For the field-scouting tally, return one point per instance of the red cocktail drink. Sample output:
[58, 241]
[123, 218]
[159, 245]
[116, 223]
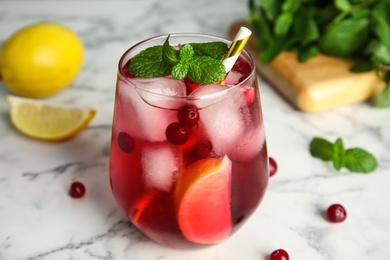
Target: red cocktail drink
[188, 162]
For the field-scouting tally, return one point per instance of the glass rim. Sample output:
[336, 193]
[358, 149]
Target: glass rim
[244, 52]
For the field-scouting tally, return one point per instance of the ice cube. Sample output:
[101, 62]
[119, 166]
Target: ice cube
[224, 120]
[161, 92]
[207, 95]
[249, 145]
[233, 77]
[139, 118]
[161, 164]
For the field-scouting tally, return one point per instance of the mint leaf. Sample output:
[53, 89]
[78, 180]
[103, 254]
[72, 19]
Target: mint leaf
[359, 160]
[321, 148]
[283, 23]
[305, 27]
[215, 50]
[170, 55]
[345, 38]
[354, 159]
[338, 157]
[291, 6]
[309, 52]
[149, 63]
[206, 70]
[180, 70]
[382, 54]
[343, 5]
[383, 99]
[380, 24]
[186, 52]
[270, 8]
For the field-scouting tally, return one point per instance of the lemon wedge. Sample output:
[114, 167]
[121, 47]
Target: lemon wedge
[203, 196]
[42, 120]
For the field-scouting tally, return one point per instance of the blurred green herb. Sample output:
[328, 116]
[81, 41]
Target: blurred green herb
[354, 159]
[357, 29]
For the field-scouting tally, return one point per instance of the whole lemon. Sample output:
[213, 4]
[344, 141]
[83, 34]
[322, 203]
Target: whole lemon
[41, 59]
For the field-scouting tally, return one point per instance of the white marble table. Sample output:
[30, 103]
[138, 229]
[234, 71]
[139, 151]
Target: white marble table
[38, 220]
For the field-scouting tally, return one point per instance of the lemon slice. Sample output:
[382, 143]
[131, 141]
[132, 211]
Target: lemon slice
[42, 120]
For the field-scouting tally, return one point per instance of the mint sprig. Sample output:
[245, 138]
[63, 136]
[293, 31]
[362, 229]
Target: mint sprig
[354, 159]
[201, 62]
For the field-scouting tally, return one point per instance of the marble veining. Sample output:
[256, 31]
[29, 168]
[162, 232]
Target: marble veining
[39, 221]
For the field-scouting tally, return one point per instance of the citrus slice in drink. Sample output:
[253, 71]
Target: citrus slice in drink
[140, 205]
[203, 200]
[45, 121]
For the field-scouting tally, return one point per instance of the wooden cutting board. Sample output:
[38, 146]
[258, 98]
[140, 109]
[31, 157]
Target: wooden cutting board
[321, 83]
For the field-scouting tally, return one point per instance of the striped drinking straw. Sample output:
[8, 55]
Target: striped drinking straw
[236, 47]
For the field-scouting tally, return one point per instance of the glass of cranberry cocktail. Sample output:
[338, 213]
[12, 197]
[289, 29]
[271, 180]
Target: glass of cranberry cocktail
[188, 159]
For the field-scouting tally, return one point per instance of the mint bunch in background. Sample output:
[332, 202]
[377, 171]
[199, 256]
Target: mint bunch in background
[351, 29]
[354, 159]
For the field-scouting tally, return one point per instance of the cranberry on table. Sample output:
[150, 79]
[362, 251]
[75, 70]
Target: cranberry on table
[177, 133]
[336, 213]
[279, 254]
[77, 190]
[273, 167]
[188, 115]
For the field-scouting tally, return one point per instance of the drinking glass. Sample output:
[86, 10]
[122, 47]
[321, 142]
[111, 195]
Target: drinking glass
[188, 162]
